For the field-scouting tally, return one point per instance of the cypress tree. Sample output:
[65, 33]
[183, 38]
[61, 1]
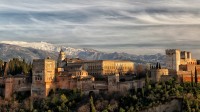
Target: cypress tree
[188, 106]
[196, 77]
[147, 80]
[157, 65]
[92, 107]
[143, 92]
[192, 81]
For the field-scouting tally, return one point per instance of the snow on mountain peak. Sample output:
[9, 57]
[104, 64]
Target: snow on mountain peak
[36, 45]
[84, 53]
[46, 47]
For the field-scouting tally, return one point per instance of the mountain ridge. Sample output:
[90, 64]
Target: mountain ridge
[34, 50]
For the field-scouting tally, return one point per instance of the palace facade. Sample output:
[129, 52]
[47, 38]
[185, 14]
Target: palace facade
[71, 74]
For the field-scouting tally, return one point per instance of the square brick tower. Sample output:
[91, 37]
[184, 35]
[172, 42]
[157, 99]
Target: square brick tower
[43, 77]
[173, 59]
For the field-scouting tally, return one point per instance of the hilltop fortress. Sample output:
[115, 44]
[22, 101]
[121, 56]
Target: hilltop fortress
[95, 75]
[75, 73]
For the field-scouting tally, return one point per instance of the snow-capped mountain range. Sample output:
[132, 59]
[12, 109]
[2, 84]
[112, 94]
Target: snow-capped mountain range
[32, 50]
[46, 47]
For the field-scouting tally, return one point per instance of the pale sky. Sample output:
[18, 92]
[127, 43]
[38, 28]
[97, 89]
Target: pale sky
[132, 26]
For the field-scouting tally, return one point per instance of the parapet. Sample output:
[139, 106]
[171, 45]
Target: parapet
[43, 60]
[186, 55]
[171, 51]
[189, 55]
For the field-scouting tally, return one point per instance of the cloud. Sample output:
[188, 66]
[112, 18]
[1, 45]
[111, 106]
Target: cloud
[133, 26]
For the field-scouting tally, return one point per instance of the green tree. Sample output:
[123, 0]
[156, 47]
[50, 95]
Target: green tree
[63, 98]
[105, 110]
[131, 109]
[196, 106]
[54, 100]
[92, 107]
[121, 110]
[142, 92]
[188, 106]
[196, 77]
[17, 66]
[147, 80]
[192, 80]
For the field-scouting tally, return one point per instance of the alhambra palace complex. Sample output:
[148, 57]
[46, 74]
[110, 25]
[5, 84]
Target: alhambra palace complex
[83, 74]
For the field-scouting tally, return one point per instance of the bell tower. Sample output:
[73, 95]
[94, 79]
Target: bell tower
[61, 57]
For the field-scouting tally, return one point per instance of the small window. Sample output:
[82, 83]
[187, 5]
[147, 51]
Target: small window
[19, 82]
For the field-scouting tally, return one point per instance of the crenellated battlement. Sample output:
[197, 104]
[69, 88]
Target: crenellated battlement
[186, 55]
[171, 51]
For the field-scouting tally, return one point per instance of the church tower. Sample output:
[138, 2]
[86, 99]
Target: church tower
[61, 57]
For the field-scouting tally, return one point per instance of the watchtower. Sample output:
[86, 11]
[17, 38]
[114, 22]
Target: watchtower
[43, 77]
[61, 58]
[173, 59]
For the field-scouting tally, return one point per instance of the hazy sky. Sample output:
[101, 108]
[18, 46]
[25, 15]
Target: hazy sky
[133, 26]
